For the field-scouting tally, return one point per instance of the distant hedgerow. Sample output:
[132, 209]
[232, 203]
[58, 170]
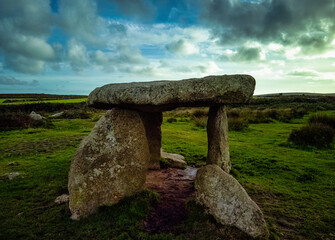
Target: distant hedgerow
[19, 120]
[314, 134]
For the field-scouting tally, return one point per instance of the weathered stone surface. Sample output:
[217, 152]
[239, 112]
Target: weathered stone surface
[111, 163]
[56, 115]
[228, 202]
[64, 198]
[10, 176]
[165, 95]
[217, 134]
[152, 124]
[175, 160]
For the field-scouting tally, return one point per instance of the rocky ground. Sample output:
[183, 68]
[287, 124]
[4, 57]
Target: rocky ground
[175, 187]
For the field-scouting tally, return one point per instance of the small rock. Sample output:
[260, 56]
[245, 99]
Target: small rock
[35, 116]
[62, 199]
[13, 175]
[227, 201]
[175, 160]
[57, 114]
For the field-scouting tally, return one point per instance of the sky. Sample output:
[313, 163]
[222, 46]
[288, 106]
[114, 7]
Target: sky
[74, 46]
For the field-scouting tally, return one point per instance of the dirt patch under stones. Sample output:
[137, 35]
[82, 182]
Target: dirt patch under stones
[175, 187]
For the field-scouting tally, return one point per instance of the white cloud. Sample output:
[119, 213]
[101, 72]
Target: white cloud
[25, 65]
[244, 53]
[130, 55]
[304, 72]
[23, 36]
[275, 47]
[182, 47]
[187, 68]
[291, 53]
[312, 75]
[280, 63]
[80, 19]
[163, 34]
[11, 81]
[77, 55]
[31, 47]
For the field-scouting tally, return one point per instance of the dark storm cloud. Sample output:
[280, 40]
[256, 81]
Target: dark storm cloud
[247, 54]
[243, 54]
[307, 23]
[24, 28]
[6, 80]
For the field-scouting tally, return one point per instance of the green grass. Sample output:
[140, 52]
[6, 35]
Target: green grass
[17, 101]
[295, 187]
[186, 139]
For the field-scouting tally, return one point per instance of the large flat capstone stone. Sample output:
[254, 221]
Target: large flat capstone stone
[166, 95]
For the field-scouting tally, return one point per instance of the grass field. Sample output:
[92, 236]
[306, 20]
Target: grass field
[16, 101]
[294, 187]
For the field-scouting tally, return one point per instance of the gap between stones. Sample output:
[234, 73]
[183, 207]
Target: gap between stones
[175, 187]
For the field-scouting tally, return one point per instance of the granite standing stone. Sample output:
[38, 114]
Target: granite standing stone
[111, 163]
[217, 135]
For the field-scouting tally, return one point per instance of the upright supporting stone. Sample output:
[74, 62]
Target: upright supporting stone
[217, 134]
[110, 164]
[227, 201]
[152, 123]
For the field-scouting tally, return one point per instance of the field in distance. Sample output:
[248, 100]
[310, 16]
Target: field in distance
[8, 99]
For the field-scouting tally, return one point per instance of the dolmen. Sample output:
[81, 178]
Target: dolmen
[111, 163]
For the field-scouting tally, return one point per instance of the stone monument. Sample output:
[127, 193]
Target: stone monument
[111, 162]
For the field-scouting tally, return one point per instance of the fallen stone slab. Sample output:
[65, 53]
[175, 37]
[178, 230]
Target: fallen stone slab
[227, 201]
[56, 115]
[159, 96]
[174, 160]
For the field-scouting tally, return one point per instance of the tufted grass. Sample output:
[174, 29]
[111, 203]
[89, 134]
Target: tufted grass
[293, 186]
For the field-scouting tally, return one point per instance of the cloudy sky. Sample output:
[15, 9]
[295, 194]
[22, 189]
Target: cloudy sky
[73, 46]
